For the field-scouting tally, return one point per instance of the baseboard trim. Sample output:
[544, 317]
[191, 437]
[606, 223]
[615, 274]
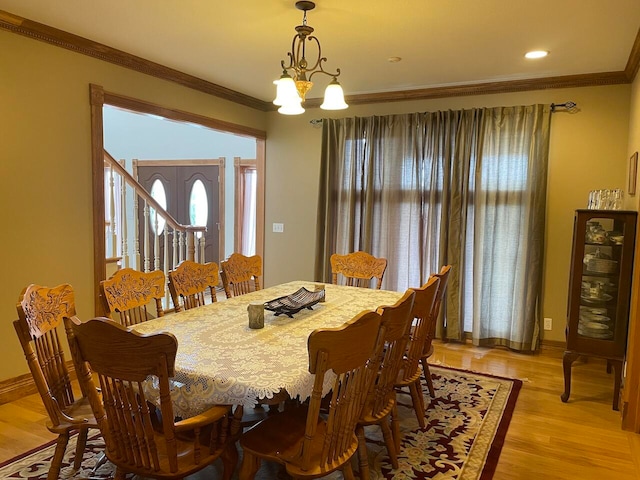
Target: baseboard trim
[553, 344]
[16, 387]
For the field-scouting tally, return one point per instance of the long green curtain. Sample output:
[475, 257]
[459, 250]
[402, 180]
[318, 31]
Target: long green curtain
[465, 188]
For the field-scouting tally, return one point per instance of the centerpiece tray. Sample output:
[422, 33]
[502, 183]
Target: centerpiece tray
[290, 304]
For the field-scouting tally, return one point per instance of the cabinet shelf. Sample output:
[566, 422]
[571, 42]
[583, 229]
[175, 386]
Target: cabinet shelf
[599, 290]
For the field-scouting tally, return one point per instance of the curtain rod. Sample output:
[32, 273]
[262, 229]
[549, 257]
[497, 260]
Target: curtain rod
[566, 106]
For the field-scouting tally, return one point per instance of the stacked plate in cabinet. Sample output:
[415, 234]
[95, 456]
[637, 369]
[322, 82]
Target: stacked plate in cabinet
[595, 323]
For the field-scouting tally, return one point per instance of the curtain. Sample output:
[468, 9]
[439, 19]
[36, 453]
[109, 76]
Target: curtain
[465, 188]
[246, 215]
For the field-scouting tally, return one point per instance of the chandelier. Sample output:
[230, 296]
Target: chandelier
[295, 82]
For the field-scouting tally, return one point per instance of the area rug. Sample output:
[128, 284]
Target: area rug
[465, 429]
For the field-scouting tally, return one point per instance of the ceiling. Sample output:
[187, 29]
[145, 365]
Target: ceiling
[239, 45]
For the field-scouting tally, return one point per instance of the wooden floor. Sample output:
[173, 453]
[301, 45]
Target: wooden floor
[547, 439]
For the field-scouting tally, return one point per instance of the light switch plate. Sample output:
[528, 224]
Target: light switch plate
[278, 227]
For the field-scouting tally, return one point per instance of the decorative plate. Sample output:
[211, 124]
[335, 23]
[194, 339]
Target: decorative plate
[589, 299]
[593, 334]
[290, 304]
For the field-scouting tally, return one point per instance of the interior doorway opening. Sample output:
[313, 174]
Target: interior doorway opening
[188, 165]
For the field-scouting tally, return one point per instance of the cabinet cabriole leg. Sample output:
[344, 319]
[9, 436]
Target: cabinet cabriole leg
[567, 360]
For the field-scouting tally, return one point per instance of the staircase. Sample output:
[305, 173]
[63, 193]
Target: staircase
[139, 232]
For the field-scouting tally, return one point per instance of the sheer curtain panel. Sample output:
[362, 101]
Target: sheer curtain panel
[465, 188]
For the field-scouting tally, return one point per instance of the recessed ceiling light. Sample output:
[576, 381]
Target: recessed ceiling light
[393, 59]
[536, 54]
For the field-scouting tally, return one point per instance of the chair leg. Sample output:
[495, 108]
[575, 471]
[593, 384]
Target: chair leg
[395, 427]
[229, 460]
[120, 474]
[80, 446]
[427, 376]
[249, 467]
[363, 458]
[347, 472]
[416, 393]
[389, 442]
[56, 461]
[421, 396]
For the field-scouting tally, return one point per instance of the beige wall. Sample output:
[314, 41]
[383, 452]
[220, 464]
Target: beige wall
[633, 203]
[588, 151]
[45, 167]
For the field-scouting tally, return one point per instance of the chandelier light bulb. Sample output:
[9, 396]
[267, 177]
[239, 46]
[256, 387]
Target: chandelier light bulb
[334, 97]
[292, 108]
[286, 91]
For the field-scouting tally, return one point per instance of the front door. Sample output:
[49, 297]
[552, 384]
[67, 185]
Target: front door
[192, 198]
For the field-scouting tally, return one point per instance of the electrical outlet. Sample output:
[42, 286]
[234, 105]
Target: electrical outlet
[278, 227]
[548, 324]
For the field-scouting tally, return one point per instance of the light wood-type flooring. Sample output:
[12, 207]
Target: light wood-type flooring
[547, 439]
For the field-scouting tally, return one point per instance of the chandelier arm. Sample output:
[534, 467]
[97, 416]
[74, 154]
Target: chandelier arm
[334, 75]
[319, 59]
[290, 67]
[318, 64]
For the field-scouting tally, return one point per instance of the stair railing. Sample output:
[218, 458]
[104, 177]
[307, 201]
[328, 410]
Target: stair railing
[179, 242]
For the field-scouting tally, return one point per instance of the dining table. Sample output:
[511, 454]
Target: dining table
[221, 360]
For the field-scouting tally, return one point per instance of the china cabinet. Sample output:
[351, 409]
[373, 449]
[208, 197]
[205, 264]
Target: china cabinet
[599, 291]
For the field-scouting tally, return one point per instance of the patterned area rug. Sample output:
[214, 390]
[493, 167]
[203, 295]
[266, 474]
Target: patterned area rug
[465, 428]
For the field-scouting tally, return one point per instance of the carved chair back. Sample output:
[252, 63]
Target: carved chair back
[139, 438]
[189, 282]
[315, 439]
[358, 269]
[422, 314]
[352, 353]
[381, 399]
[410, 372]
[396, 320]
[442, 288]
[129, 293]
[427, 349]
[41, 311]
[241, 274]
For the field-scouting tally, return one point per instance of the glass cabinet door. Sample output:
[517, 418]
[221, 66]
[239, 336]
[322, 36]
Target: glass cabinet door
[600, 290]
[600, 279]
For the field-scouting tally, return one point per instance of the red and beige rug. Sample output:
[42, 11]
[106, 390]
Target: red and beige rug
[465, 429]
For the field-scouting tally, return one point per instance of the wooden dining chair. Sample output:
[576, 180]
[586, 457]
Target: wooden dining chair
[140, 439]
[358, 269]
[427, 351]
[310, 444]
[189, 283]
[241, 274]
[129, 293]
[40, 311]
[410, 372]
[380, 406]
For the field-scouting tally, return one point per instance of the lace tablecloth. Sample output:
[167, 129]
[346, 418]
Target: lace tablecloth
[221, 360]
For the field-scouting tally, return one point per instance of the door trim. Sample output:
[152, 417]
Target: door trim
[98, 98]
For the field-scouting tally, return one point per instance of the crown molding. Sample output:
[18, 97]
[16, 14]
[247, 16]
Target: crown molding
[583, 80]
[69, 41]
[633, 63]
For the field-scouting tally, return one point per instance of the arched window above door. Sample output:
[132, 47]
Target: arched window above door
[159, 194]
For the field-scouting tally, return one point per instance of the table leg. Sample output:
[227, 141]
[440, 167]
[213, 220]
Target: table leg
[567, 360]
